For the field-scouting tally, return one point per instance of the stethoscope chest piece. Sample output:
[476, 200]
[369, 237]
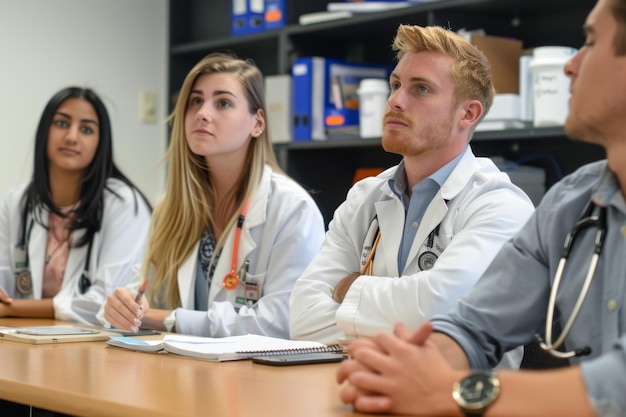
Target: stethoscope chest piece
[231, 280]
[23, 278]
[24, 282]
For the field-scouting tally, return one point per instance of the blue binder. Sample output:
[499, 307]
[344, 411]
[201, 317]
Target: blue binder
[304, 70]
[248, 16]
[275, 14]
[325, 104]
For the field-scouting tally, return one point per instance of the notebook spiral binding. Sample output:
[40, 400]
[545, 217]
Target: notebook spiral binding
[331, 348]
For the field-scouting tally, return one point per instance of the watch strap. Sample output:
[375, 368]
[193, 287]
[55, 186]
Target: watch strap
[170, 321]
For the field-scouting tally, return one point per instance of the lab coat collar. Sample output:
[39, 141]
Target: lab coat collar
[390, 209]
[458, 178]
[387, 212]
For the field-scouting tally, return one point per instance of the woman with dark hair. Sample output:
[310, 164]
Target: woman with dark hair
[73, 233]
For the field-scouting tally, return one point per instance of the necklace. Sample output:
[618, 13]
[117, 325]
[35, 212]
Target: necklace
[51, 254]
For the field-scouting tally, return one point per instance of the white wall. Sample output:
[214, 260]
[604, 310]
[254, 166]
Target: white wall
[116, 47]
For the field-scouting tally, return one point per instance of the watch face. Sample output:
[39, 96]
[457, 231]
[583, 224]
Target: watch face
[476, 391]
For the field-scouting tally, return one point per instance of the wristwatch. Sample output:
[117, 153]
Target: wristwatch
[170, 321]
[475, 392]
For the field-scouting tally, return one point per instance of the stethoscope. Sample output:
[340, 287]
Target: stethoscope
[24, 279]
[426, 259]
[231, 279]
[588, 218]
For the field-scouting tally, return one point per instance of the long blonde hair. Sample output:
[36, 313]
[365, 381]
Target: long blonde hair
[188, 207]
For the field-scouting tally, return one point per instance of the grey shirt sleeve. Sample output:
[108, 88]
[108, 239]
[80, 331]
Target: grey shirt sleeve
[509, 303]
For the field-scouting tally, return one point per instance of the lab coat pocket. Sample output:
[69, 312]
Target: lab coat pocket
[251, 289]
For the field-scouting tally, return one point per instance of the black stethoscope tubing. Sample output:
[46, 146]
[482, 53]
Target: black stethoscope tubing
[83, 284]
[369, 262]
[586, 219]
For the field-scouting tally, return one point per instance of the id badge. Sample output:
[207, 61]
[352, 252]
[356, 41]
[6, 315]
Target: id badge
[23, 278]
[252, 292]
[19, 254]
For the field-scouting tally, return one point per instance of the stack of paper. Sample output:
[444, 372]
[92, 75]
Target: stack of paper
[222, 348]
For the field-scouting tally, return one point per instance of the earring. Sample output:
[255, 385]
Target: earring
[260, 131]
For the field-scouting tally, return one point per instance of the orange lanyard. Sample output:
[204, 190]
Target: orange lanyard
[369, 263]
[231, 279]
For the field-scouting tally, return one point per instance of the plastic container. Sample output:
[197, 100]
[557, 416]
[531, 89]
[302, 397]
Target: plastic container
[373, 94]
[550, 85]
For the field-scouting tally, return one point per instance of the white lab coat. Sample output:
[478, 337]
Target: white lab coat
[477, 208]
[282, 232]
[116, 248]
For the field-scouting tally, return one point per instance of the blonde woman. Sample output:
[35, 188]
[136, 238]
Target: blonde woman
[233, 232]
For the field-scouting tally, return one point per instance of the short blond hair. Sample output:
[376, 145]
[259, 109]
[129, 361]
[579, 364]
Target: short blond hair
[471, 71]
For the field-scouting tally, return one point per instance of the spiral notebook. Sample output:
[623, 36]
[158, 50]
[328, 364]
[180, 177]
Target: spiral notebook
[222, 348]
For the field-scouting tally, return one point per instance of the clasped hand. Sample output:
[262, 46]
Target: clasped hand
[399, 373]
[5, 300]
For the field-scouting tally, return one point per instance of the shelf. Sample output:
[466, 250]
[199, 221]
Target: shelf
[326, 168]
[477, 13]
[224, 43]
[366, 37]
[512, 134]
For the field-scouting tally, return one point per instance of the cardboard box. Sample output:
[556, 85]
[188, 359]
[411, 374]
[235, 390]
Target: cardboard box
[503, 55]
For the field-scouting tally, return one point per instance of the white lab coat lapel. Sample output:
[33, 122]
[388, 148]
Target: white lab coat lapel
[256, 215]
[36, 253]
[223, 266]
[186, 277]
[76, 260]
[187, 271]
[438, 208]
[388, 212]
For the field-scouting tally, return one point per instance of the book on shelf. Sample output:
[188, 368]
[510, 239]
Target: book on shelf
[222, 348]
[368, 6]
[487, 125]
[320, 17]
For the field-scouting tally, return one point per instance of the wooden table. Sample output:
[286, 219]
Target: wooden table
[91, 379]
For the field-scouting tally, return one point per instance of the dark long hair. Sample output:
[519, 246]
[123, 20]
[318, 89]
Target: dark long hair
[88, 214]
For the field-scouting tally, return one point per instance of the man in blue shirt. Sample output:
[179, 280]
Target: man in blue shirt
[414, 373]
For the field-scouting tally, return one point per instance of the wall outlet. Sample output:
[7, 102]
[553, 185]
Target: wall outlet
[147, 106]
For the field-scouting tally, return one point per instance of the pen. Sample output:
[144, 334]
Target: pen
[243, 272]
[141, 290]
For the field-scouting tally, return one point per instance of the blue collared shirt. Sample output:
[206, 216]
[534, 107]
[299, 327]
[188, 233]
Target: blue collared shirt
[509, 303]
[416, 205]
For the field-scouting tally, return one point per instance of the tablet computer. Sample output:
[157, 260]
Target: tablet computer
[55, 331]
[53, 334]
